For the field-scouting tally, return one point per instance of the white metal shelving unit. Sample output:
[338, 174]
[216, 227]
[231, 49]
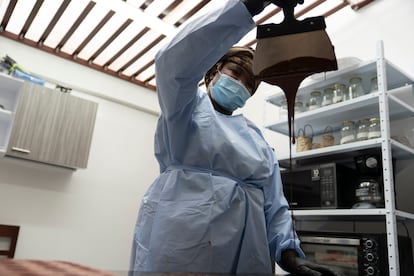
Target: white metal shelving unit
[394, 100]
[9, 94]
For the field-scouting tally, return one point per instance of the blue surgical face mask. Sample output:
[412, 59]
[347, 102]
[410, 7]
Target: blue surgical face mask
[229, 93]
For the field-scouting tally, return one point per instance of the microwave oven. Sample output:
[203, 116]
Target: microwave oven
[327, 185]
[355, 254]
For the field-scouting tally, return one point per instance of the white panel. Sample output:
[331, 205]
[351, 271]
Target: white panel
[129, 33]
[183, 8]
[134, 50]
[19, 16]
[319, 10]
[65, 22]
[157, 7]
[85, 28]
[3, 8]
[102, 35]
[122, 8]
[250, 36]
[142, 61]
[152, 82]
[135, 3]
[179, 12]
[150, 71]
[42, 19]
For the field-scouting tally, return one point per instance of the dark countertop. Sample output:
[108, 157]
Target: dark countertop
[125, 273]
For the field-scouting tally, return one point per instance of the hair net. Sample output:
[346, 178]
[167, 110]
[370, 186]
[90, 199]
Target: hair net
[240, 55]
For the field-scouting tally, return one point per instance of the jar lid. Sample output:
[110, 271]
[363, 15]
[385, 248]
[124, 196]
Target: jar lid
[339, 85]
[348, 122]
[374, 120]
[355, 79]
[315, 93]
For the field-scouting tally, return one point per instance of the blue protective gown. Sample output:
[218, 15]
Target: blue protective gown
[218, 204]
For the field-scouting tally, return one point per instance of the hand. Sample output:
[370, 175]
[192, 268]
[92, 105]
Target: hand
[302, 267]
[255, 6]
[285, 4]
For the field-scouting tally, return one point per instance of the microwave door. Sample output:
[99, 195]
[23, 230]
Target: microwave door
[300, 190]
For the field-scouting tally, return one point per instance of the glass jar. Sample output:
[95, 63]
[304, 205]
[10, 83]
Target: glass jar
[283, 110]
[315, 100]
[363, 129]
[299, 107]
[338, 92]
[347, 132]
[356, 88]
[374, 128]
[347, 94]
[327, 97]
[374, 85]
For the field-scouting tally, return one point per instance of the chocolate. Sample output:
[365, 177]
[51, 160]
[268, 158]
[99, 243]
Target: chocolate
[287, 60]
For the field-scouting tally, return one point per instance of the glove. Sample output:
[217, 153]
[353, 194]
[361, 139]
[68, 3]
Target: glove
[302, 267]
[287, 3]
[255, 6]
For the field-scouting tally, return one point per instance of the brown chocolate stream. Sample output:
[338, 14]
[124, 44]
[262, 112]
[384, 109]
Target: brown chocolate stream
[290, 84]
[288, 75]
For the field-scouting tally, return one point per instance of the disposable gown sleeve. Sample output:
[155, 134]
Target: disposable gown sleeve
[280, 233]
[181, 64]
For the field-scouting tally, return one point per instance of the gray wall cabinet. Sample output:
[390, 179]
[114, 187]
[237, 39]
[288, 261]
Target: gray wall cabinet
[52, 127]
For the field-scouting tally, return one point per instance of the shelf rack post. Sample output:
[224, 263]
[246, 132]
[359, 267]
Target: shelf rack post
[390, 215]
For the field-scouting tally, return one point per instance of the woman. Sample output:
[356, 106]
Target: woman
[218, 204]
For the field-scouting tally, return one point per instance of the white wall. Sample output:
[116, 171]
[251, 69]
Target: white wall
[353, 34]
[87, 216]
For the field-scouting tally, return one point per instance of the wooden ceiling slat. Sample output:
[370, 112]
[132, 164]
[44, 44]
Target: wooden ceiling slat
[193, 11]
[277, 10]
[171, 7]
[140, 54]
[93, 32]
[360, 4]
[149, 79]
[146, 4]
[111, 39]
[31, 17]
[268, 16]
[146, 69]
[309, 8]
[127, 46]
[8, 14]
[336, 8]
[143, 68]
[54, 20]
[76, 24]
[78, 61]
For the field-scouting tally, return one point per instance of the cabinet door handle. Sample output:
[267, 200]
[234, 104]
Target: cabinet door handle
[21, 150]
